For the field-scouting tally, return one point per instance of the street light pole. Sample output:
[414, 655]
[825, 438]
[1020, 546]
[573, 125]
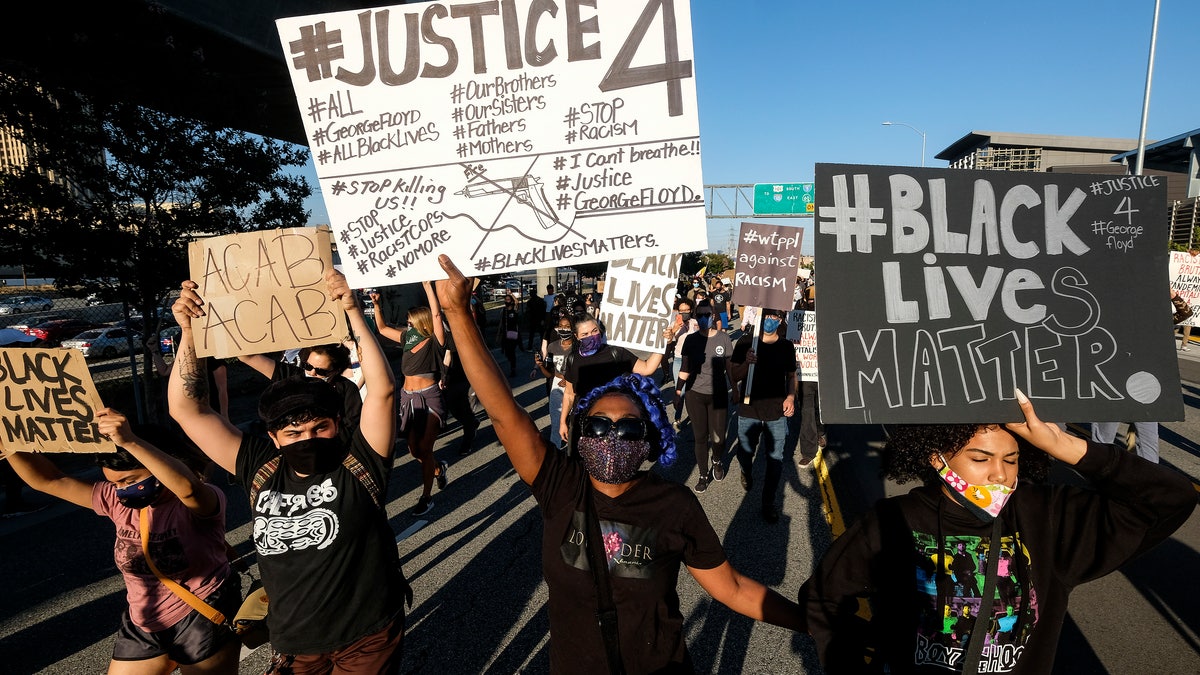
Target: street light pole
[1141, 149]
[902, 124]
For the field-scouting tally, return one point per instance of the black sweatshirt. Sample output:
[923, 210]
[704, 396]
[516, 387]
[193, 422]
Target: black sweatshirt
[922, 605]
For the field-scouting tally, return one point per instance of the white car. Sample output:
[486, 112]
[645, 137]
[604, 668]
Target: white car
[25, 303]
[104, 343]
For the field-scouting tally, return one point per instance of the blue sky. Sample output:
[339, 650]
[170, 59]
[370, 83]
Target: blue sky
[784, 84]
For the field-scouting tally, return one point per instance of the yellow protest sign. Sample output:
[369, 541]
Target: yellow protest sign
[264, 291]
[49, 402]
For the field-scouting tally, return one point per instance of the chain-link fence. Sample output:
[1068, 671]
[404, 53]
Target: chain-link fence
[116, 340]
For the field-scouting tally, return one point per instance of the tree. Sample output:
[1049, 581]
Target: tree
[113, 192]
[715, 263]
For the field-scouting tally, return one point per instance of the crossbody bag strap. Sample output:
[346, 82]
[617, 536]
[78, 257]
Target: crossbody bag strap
[360, 472]
[184, 594]
[261, 477]
[606, 608]
[983, 618]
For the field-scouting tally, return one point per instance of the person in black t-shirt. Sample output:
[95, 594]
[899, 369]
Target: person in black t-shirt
[772, 398]
[326, 553]
[649, 526]
[594, 362]
[508, 333]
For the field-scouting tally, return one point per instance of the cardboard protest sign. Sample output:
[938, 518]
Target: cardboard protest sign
[1185, 280]
[943, 290]
[507, 136]
[639, 298]
[264, 292]
[50, 402]
[765, 268]
[802, 331]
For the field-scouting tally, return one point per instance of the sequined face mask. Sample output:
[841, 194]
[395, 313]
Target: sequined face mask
[613, 450]
[984, 501]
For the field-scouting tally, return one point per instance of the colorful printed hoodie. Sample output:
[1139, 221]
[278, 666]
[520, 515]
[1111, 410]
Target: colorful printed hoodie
[900, 590]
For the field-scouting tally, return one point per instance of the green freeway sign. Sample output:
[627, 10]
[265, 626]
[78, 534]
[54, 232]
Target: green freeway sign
[783, 199]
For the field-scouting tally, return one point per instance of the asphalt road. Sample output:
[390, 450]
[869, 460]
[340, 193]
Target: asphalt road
[480, 600]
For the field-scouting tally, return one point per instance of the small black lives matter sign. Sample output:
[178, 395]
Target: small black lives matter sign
[943, 290]
[49, 402]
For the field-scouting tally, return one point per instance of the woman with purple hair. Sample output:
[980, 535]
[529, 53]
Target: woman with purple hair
[645, 526]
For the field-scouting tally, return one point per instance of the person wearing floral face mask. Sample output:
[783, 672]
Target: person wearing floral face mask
[648, 526]
[983, 538]
[185, 523]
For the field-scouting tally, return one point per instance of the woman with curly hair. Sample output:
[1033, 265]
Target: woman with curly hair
[648, 526]
[971, 572]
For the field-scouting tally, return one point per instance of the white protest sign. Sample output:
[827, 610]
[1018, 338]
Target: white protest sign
[802, 331]
[638, 299]
[1184, 271]
[264, 291]
[507, 135]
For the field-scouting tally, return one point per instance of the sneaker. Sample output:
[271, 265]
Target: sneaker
[718, 470]
[424, 505]
[804, 462]
[702, 483]
[441, 476]
[770, 514]
[747, 481]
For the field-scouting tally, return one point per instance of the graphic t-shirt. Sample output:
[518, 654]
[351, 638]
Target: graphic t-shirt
[647, 533]
[704, 358]
[918, 563]
[186, 548]
[558, 358]
[326, 553]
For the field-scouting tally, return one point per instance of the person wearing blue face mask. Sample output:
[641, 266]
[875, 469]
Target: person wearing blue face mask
[184, 522]
[767, 399]
[971, 571]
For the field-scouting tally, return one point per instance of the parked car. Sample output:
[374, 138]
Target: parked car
[18, 304]
[507, 286]
[52, 333]
[104, 343]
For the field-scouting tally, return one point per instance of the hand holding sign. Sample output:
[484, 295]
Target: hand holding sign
[50, 402]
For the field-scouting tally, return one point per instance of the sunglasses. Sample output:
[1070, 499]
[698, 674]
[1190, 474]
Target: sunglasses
[319, 372]
[626, 428]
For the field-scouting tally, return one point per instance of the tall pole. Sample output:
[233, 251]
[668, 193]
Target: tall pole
[922, 133]
[1141, 150]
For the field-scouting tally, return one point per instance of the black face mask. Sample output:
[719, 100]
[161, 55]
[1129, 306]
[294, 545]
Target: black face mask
[314, 455]
[686, 316]
[564, 333]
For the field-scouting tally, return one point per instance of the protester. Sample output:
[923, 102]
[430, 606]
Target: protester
[326, 553]
[457, 394]
[508, 332]
[535, 315]
[422, 409]
[704, 389]
[594, 362]
[551, 366]
[326, 362]
[719, 298]
[768, 396]
[811, 438]
[659, 525]
[1145, 433]
[682, 325]
[185, 537]
[916, 563]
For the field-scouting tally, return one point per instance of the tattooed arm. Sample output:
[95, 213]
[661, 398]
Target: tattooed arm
[187, 391]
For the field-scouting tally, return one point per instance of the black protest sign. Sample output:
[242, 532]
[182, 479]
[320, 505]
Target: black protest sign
[50, 402]
[765, 268]
[264, 291]
[943, 290]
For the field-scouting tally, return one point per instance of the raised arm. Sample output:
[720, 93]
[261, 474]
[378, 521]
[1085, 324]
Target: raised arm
[435, 313]
[378, 419]
[385, 329]
[261, 363]
[41, 475]
[187, 390]
[199, 498]
[514, 427]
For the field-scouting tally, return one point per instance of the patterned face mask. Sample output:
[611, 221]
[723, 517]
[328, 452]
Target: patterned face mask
[984, 501]
[591, 344]
[611, 460]
[141, 494]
